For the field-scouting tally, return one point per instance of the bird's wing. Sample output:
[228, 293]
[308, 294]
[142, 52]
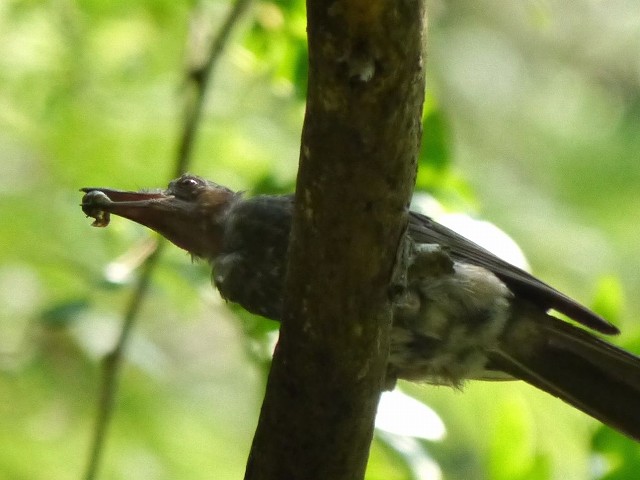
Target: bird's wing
[424, 230]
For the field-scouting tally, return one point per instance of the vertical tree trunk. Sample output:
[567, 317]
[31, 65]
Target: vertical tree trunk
[357, 170]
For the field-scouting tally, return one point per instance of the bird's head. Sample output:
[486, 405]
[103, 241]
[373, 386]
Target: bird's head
[190, 212]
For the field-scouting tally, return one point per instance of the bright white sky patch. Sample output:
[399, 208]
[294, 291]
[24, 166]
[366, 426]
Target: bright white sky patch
[400, 414]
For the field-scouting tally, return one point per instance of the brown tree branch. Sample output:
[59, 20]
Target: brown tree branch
[357, 170]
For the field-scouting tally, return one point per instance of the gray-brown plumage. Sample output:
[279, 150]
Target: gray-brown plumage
[463, 314]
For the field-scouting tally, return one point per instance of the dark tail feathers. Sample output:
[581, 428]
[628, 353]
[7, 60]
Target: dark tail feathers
[577, 367]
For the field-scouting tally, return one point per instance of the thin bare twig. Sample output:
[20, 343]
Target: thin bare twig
[199, 76]
[112, 364]
[113, 361]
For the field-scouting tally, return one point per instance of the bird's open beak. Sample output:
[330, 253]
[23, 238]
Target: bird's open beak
[182, 221]
[142, 207]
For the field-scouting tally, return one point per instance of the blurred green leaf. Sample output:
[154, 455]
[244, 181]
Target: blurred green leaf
[608, 300]
[385, 463]
[435, 153]
[619, 459]
[512, 453]
[64, 313]
[278, 39]
[513, 448]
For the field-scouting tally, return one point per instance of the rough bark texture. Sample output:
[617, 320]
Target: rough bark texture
[357, 169]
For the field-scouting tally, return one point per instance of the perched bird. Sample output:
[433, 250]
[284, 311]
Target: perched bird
[463, 314]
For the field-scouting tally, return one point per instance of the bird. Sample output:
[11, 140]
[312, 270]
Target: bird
[463, 314]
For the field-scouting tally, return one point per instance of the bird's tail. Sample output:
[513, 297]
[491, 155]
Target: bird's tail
[575, 366]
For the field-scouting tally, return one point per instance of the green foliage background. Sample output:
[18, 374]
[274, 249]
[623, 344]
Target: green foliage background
[532, 123]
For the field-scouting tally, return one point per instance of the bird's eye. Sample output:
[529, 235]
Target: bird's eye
[185, 187]
[189, 182]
